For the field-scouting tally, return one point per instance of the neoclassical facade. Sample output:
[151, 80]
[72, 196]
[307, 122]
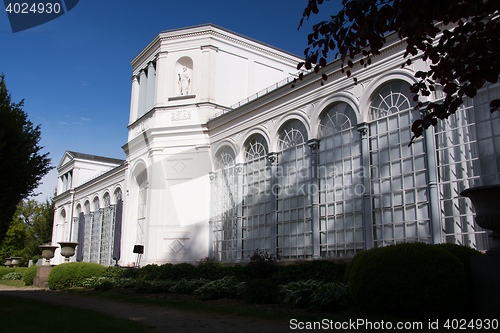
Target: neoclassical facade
[226, 155]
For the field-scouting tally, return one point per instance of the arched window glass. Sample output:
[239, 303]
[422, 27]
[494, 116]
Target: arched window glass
[336, 118]
[118, 194]
[392, 98]
[224, 158]
[107, 200]
[96, 204]
[256, 147]
[86, 207]
[292, 134]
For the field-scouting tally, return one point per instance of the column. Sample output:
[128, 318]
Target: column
[134, 99]
[314, 187]
[367, 200]
[239, 211]
[161, 79]
[208, 73]
[432, 186]
[143, 85]
[211, 220]
[150, 99]
[273, 160]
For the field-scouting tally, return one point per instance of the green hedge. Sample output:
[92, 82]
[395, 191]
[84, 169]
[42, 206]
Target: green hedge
[408, 280]
[73, 274]
[29, 275]
[6, 270]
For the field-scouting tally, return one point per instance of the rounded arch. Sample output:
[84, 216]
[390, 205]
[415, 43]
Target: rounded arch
[326, 103]
[291, 133]
[336, 118]
[106, 199]
[255, 146]
[96, 203]
[224, 157]
[373, 87]
[117, 194]
[86, 207]
[218, 146]
[78, 209]
[62, 214]
[274, 143]
[242, 139]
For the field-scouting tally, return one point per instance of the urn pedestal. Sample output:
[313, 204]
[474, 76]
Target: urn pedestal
[486, 269]
[8, 262]
[15, 261]
[42, 272]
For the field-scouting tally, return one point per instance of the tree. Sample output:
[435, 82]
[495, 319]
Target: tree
[459, 39]
[22, 165]
[31, 226]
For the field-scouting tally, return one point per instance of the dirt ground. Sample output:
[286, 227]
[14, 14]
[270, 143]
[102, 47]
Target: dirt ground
[162, 319]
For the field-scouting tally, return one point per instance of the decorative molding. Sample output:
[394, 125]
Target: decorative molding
[209, 47]
[176, 98]
[143, 125]
[181, 115]
[176, 246]
[272, 157]
[313, 144]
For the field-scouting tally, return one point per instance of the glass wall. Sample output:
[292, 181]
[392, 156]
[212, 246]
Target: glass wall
[322, 198]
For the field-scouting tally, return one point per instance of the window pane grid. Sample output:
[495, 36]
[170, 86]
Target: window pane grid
[398, 172]
[293, 203]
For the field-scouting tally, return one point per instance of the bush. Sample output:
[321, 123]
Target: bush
[408, 280]
[153, 287]
[316, 294]
[12, 276]
[462, 253]
[263, 264]
[261, 292]
[29, 275]
[226, 287]
[318, 270]
[184, 286]
[210, 270]
[5, 270]
[73, 274]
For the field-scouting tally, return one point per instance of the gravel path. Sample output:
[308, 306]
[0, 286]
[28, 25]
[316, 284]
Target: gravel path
[162, 319]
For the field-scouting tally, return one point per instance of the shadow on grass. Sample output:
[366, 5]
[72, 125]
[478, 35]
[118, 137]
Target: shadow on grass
[28, 315]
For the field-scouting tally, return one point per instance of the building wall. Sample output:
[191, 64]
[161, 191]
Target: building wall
[309, 171]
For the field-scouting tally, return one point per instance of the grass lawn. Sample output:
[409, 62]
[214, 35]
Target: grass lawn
[14, 283]
[26, 315]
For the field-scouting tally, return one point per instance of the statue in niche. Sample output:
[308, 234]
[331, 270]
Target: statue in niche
[184, 81]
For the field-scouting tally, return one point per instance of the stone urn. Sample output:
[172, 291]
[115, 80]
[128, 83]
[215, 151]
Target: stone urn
[486, 201]
[15, 261]
[68, 249]
[47, 253]
[8, 262]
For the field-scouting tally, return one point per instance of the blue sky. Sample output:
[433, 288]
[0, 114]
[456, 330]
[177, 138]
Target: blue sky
[74, 72]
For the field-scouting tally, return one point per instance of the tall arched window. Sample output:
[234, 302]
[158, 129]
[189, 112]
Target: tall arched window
[118, 194]
[142, 184]
[95, 240]
[88, 230]
[256, 205]
[225, 205]
[340, 183]
[106, 244]
[398, 172]
[293, 198]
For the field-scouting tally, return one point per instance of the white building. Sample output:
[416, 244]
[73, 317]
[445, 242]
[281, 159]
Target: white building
[224, 157]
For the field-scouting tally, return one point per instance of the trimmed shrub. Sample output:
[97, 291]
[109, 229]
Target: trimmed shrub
[29, 275]
[5, 270]
[408, 280]
[263, 264]
[261, 292]
[73, 274]
[462, 253]
[153, 287]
